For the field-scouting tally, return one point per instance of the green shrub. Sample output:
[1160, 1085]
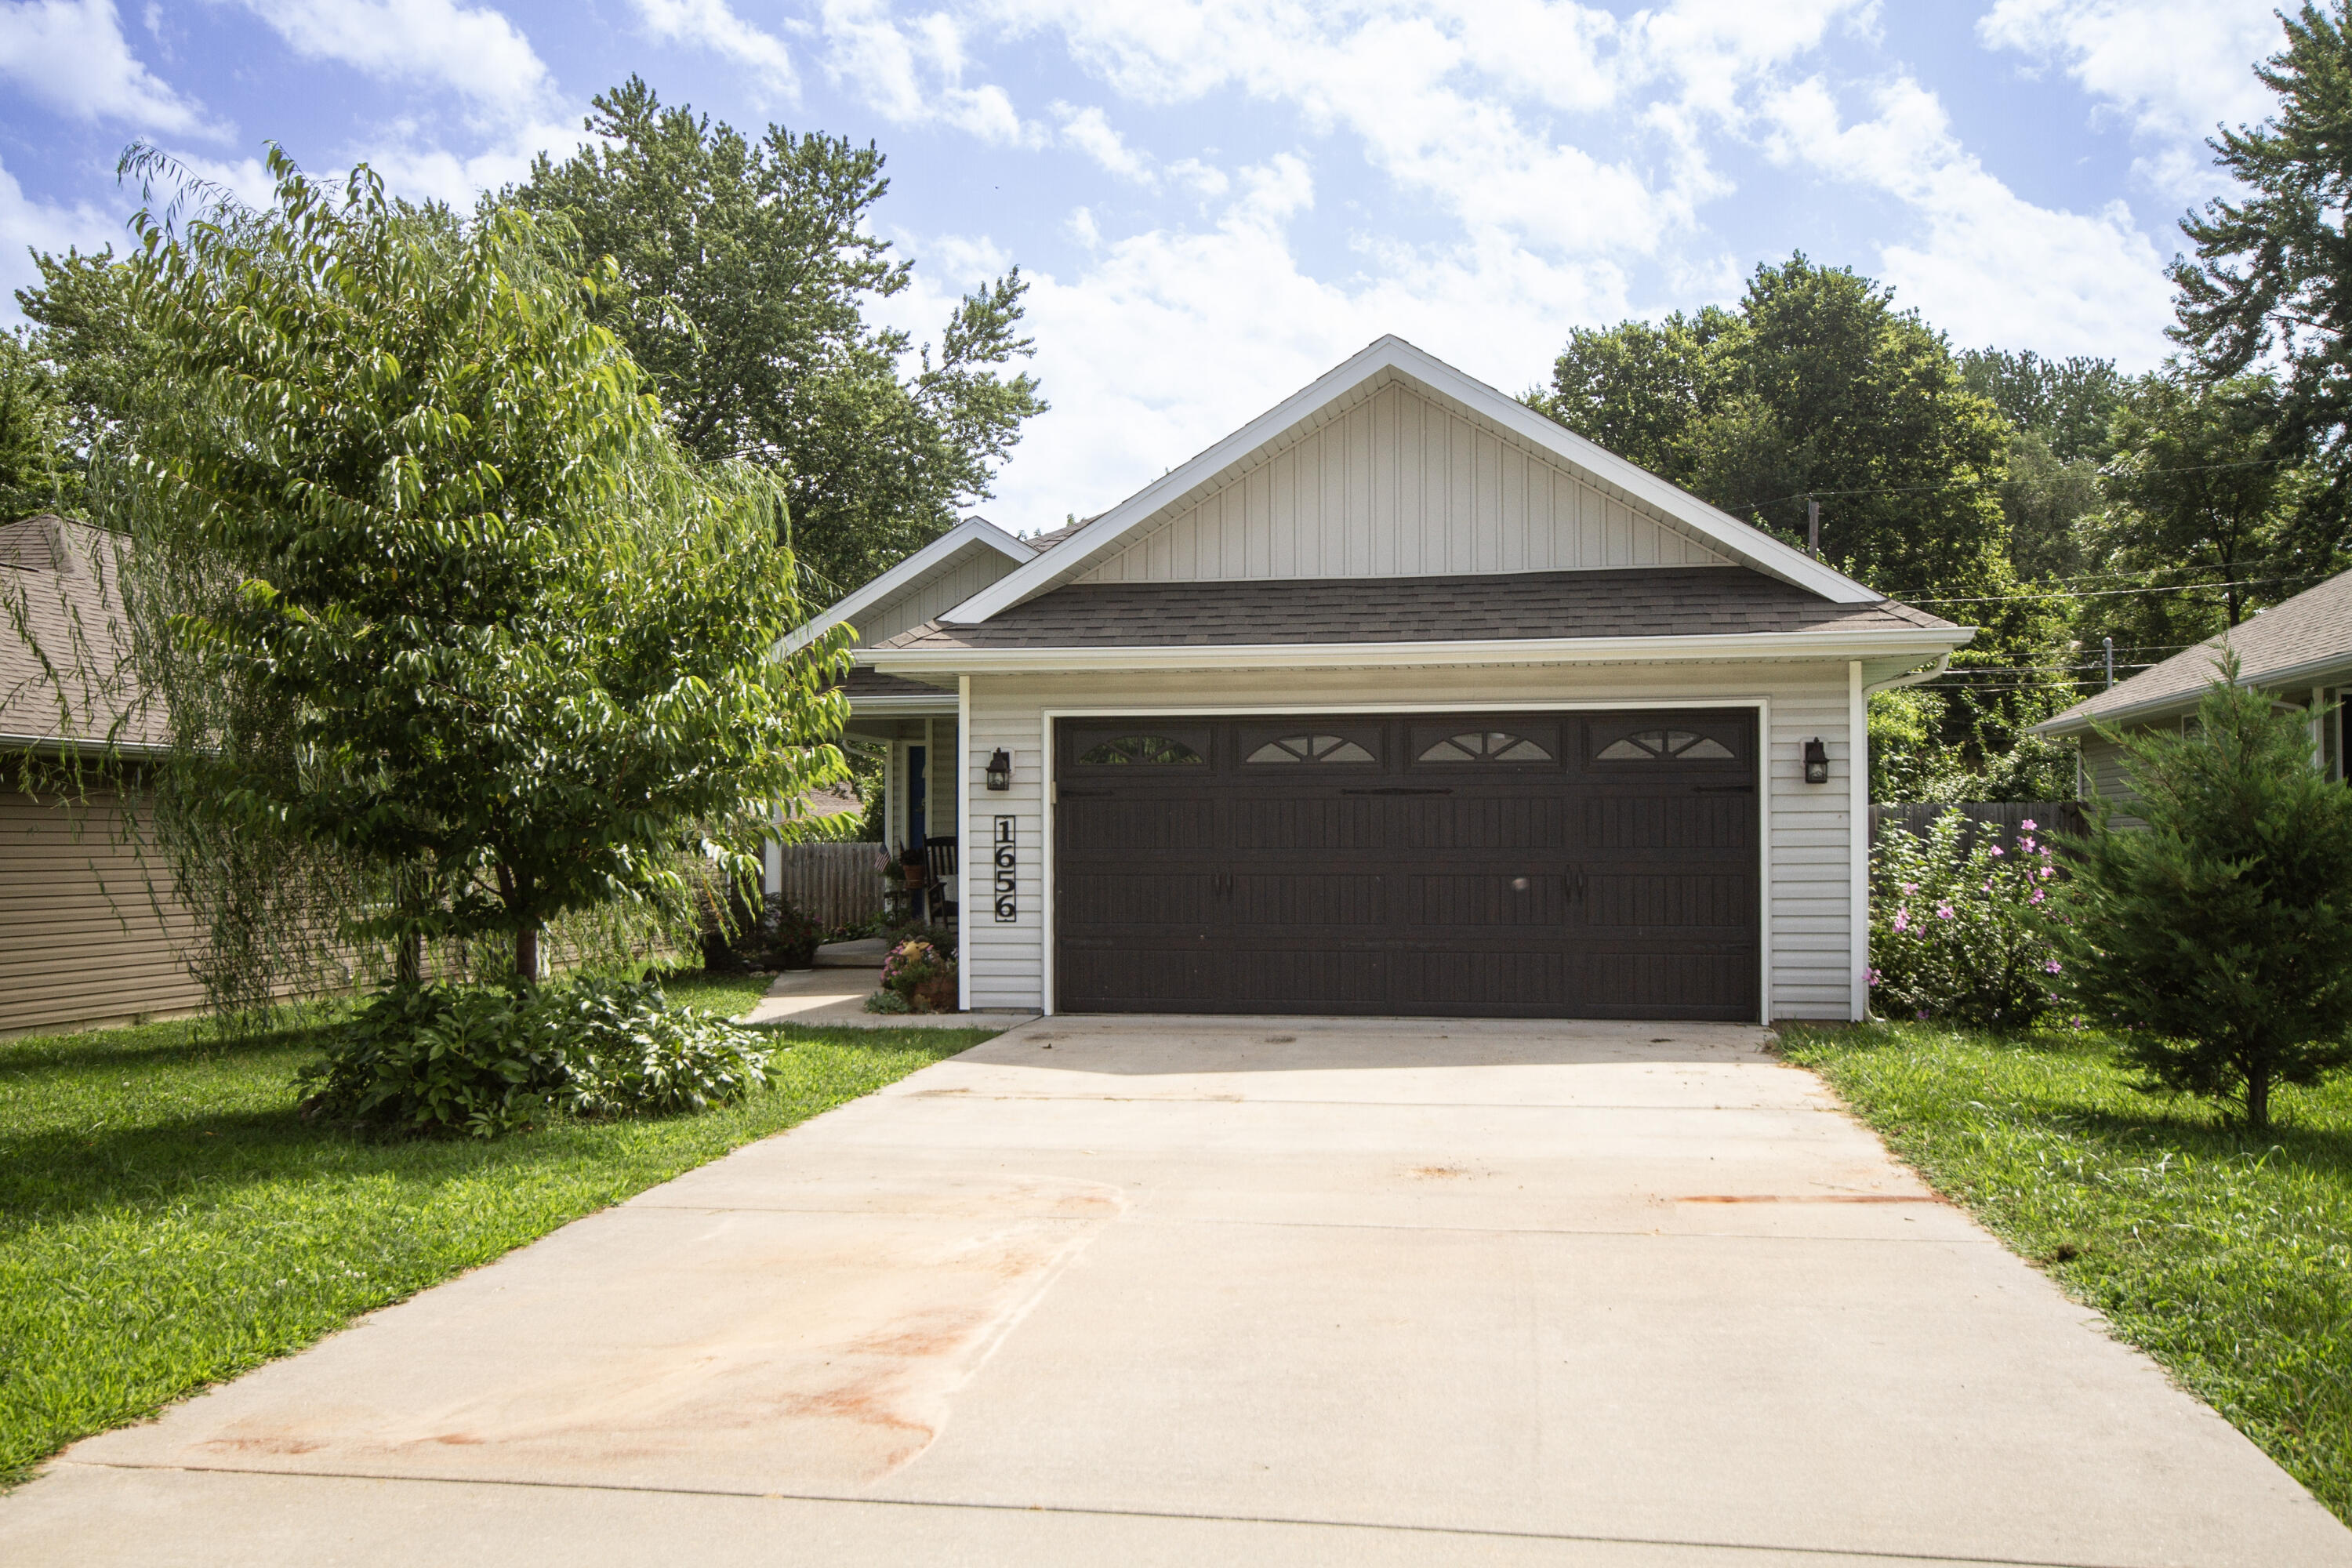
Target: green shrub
[1961, 933]
[482, 1061]
[2216, 941]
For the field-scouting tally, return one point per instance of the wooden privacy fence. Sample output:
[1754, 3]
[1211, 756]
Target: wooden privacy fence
[833, 884]
[2004, 817]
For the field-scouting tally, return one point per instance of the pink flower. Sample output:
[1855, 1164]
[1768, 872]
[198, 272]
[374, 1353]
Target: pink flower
[2027, 845]
[1996, 848]
[2052, 966]
[1870, 976]
[2036, 898]
[1910, 887]
[1943, 911]
[1902, 921]
[2045, 873]
[2027, 824]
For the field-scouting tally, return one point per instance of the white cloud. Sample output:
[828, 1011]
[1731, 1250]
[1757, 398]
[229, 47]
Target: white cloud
[1990, 267]
[473, 52]
[2172, 69]
[1161, 342]
[71, 55]
[912, 72]
[1089, 131]
[32, 224]
[712, 24]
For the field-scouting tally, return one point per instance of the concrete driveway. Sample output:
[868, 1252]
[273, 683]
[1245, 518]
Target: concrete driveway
[1183, 1291]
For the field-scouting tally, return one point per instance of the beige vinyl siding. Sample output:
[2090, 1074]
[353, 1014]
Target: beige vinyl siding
[2104, 777]
[977, 567]
[79, 939]
[1808, 827]
[1396, 487]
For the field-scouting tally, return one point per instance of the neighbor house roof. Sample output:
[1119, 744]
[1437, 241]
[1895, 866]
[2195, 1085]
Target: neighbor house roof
[2307, 637]
[939, 556]
[63, 640]
[1392, 360]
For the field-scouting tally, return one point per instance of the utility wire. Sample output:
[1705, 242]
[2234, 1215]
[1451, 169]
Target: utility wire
[1989, 484]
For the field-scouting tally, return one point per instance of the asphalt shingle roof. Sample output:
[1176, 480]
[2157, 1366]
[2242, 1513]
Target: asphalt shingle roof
[1680, 600]
[2302, 635]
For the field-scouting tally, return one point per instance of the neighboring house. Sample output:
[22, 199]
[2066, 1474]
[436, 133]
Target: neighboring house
[2300, 652]
[1401, 699]
[80, 938]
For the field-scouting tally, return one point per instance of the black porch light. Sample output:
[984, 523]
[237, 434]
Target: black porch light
[1000, 769]
[1817, 762]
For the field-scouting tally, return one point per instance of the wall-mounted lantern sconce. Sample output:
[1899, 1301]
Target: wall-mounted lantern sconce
[1000, 769]
[1817, 762]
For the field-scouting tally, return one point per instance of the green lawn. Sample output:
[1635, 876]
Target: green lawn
[2226, 1257]
[166, 1222]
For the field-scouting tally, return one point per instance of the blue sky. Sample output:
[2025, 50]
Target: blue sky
[1217, 201]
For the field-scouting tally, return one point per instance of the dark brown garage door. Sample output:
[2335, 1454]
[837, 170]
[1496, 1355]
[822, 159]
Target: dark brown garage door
[1507, 865]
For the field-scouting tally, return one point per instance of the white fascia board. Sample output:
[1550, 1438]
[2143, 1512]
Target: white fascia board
[874, 707]
[1920, 643]
[1394, 355]
[931, 557]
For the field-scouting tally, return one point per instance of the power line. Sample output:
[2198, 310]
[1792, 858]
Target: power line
[2102, 593]
[1988, 484]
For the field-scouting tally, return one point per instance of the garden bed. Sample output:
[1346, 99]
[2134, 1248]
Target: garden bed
[167, 1221]
[2226, 1257]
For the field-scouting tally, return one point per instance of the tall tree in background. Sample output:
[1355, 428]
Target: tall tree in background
[744, 267]
[2059, 412]
[2268, 284]
[39, 470]
[2196, 509]
[1818, 386]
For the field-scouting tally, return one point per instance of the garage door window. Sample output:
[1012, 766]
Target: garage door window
[1485, 746]
[1310, 749]
[1665, 746]
[1151, 751]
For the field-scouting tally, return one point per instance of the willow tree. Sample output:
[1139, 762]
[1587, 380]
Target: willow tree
[451, 640]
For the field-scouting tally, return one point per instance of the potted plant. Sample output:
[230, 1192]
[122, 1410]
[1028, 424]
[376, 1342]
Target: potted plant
[921, 976]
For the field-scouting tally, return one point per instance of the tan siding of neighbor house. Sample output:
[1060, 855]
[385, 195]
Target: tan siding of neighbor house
[1810, 827]
[926, 600]
[2104, 777]
[1400, 486]
[80, 942]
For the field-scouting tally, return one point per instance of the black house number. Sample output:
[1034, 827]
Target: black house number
[1006, 910]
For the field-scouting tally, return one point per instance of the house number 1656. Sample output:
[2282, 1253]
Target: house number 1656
[1006, 910]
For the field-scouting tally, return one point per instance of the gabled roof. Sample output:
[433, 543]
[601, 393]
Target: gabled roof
[2308, 636]
[1631, 602]
[1391, 359]
[941, 555]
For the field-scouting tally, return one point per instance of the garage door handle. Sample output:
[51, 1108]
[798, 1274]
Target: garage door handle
[1396, 791]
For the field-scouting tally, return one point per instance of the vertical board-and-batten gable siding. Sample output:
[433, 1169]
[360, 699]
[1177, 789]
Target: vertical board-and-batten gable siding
[1809, 827]
[1400, 486]
[927, 599]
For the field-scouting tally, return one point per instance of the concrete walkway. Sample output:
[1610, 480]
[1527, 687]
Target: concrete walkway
[834, 995]
[1187, 1292]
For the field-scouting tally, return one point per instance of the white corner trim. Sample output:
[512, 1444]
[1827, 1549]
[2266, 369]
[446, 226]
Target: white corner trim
[1393, 357]
[1857, 720]
[962, 776]
[1048, 798]
[1920, 642]
[908, 573]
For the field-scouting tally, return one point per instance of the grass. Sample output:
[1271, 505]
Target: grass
[2225, 1256]
[167, 1222]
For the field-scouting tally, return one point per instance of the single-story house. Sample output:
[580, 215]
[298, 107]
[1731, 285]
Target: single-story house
[81, 938]
[2299, 651]
[1400, 699]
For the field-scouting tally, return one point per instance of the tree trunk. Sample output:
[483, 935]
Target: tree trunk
[408, 968]
[527, 954]
[2258, 1098]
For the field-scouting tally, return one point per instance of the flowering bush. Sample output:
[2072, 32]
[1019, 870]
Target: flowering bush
[1963, 934]
[921, 974]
